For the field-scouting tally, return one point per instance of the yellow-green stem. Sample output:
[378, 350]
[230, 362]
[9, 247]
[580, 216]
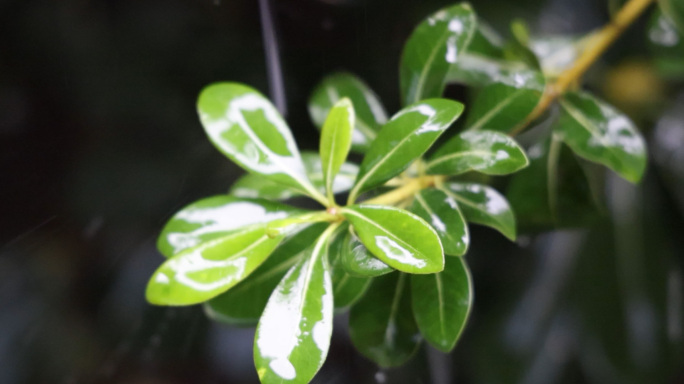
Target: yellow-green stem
[598, 44]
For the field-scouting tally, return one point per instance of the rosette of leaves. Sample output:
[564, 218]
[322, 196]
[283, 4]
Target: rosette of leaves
[392, 253]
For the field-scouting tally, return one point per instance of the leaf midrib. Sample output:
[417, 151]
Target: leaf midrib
[494, 111]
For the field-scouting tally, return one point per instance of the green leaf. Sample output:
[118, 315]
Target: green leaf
[253, 185]
[244, 303]
[666, 44]
[483, 205]
[358, 261]
[336, 141]
[214, 217]
[441, 211]
[247, 128]
[483, 61]
[381, 325]
[553, 191]
[347, 289]
[399, 238]
[293, 335]
[431, 50]
[505, 103]
[488, 152]
[518, 49]
[442, 303]
[674, 10]
[556, 53]
[370, 114]
[403, 139]
[198, 274]
[598, 132]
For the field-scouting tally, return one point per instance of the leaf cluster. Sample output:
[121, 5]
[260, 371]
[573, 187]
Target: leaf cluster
[392, 253]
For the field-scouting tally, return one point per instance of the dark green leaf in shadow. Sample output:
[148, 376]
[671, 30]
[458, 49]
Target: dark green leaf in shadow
[244, 303]
[248, 129]
[347, 288]
[198, 274]
[598, 132]
[403, 139]
[431, 50]
[442, 213]
[293, 335]
[214, 217]
[442, 303]
[399, 238]
[674, 10]
[483, 205]
[381, 324]
[488, 152]
[666, 44]
[554, 191]
[370, 114]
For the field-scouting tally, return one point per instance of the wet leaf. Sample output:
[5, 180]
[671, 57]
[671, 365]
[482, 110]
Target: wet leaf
[214, 217]
[598, 132]
[488, 152]
[674, 10]
[403, 139]
[442, 303]
[507, 101]
[335, 142]
[431, 50]
[247, 128]
[442, 213]
[198, 274]
[358, 261]
[252, 185]
[381, 324]
[293, 335]
[483, 205]
[370, 114]
[554, 191]
[244, 303]
[666, 43]
[399, 238]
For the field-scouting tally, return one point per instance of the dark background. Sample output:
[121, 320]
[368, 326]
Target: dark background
[100, 144]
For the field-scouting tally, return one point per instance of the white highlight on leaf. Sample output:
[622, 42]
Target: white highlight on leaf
[394, 251]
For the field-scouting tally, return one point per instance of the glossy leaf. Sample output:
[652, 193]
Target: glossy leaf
[666, 43]
[336, 141]
[252, 185]
[198, 274]
[214, 217]
[442, 213]
[505, 103]
[399, 238]
[431, 49]
[442, 303]
[347, 289]
[556, 53]
[381, 325]
[488, 152]
[358, 261]
[247, 128]
[483, 61]
[244, 303]
[554, 191]
[598, 132]
[403, 139]
[674, 10]
[370, 114]
[483, 205]
[293, 335]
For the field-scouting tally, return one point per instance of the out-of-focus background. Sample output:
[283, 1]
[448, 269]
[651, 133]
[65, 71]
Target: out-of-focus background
[100, 144]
